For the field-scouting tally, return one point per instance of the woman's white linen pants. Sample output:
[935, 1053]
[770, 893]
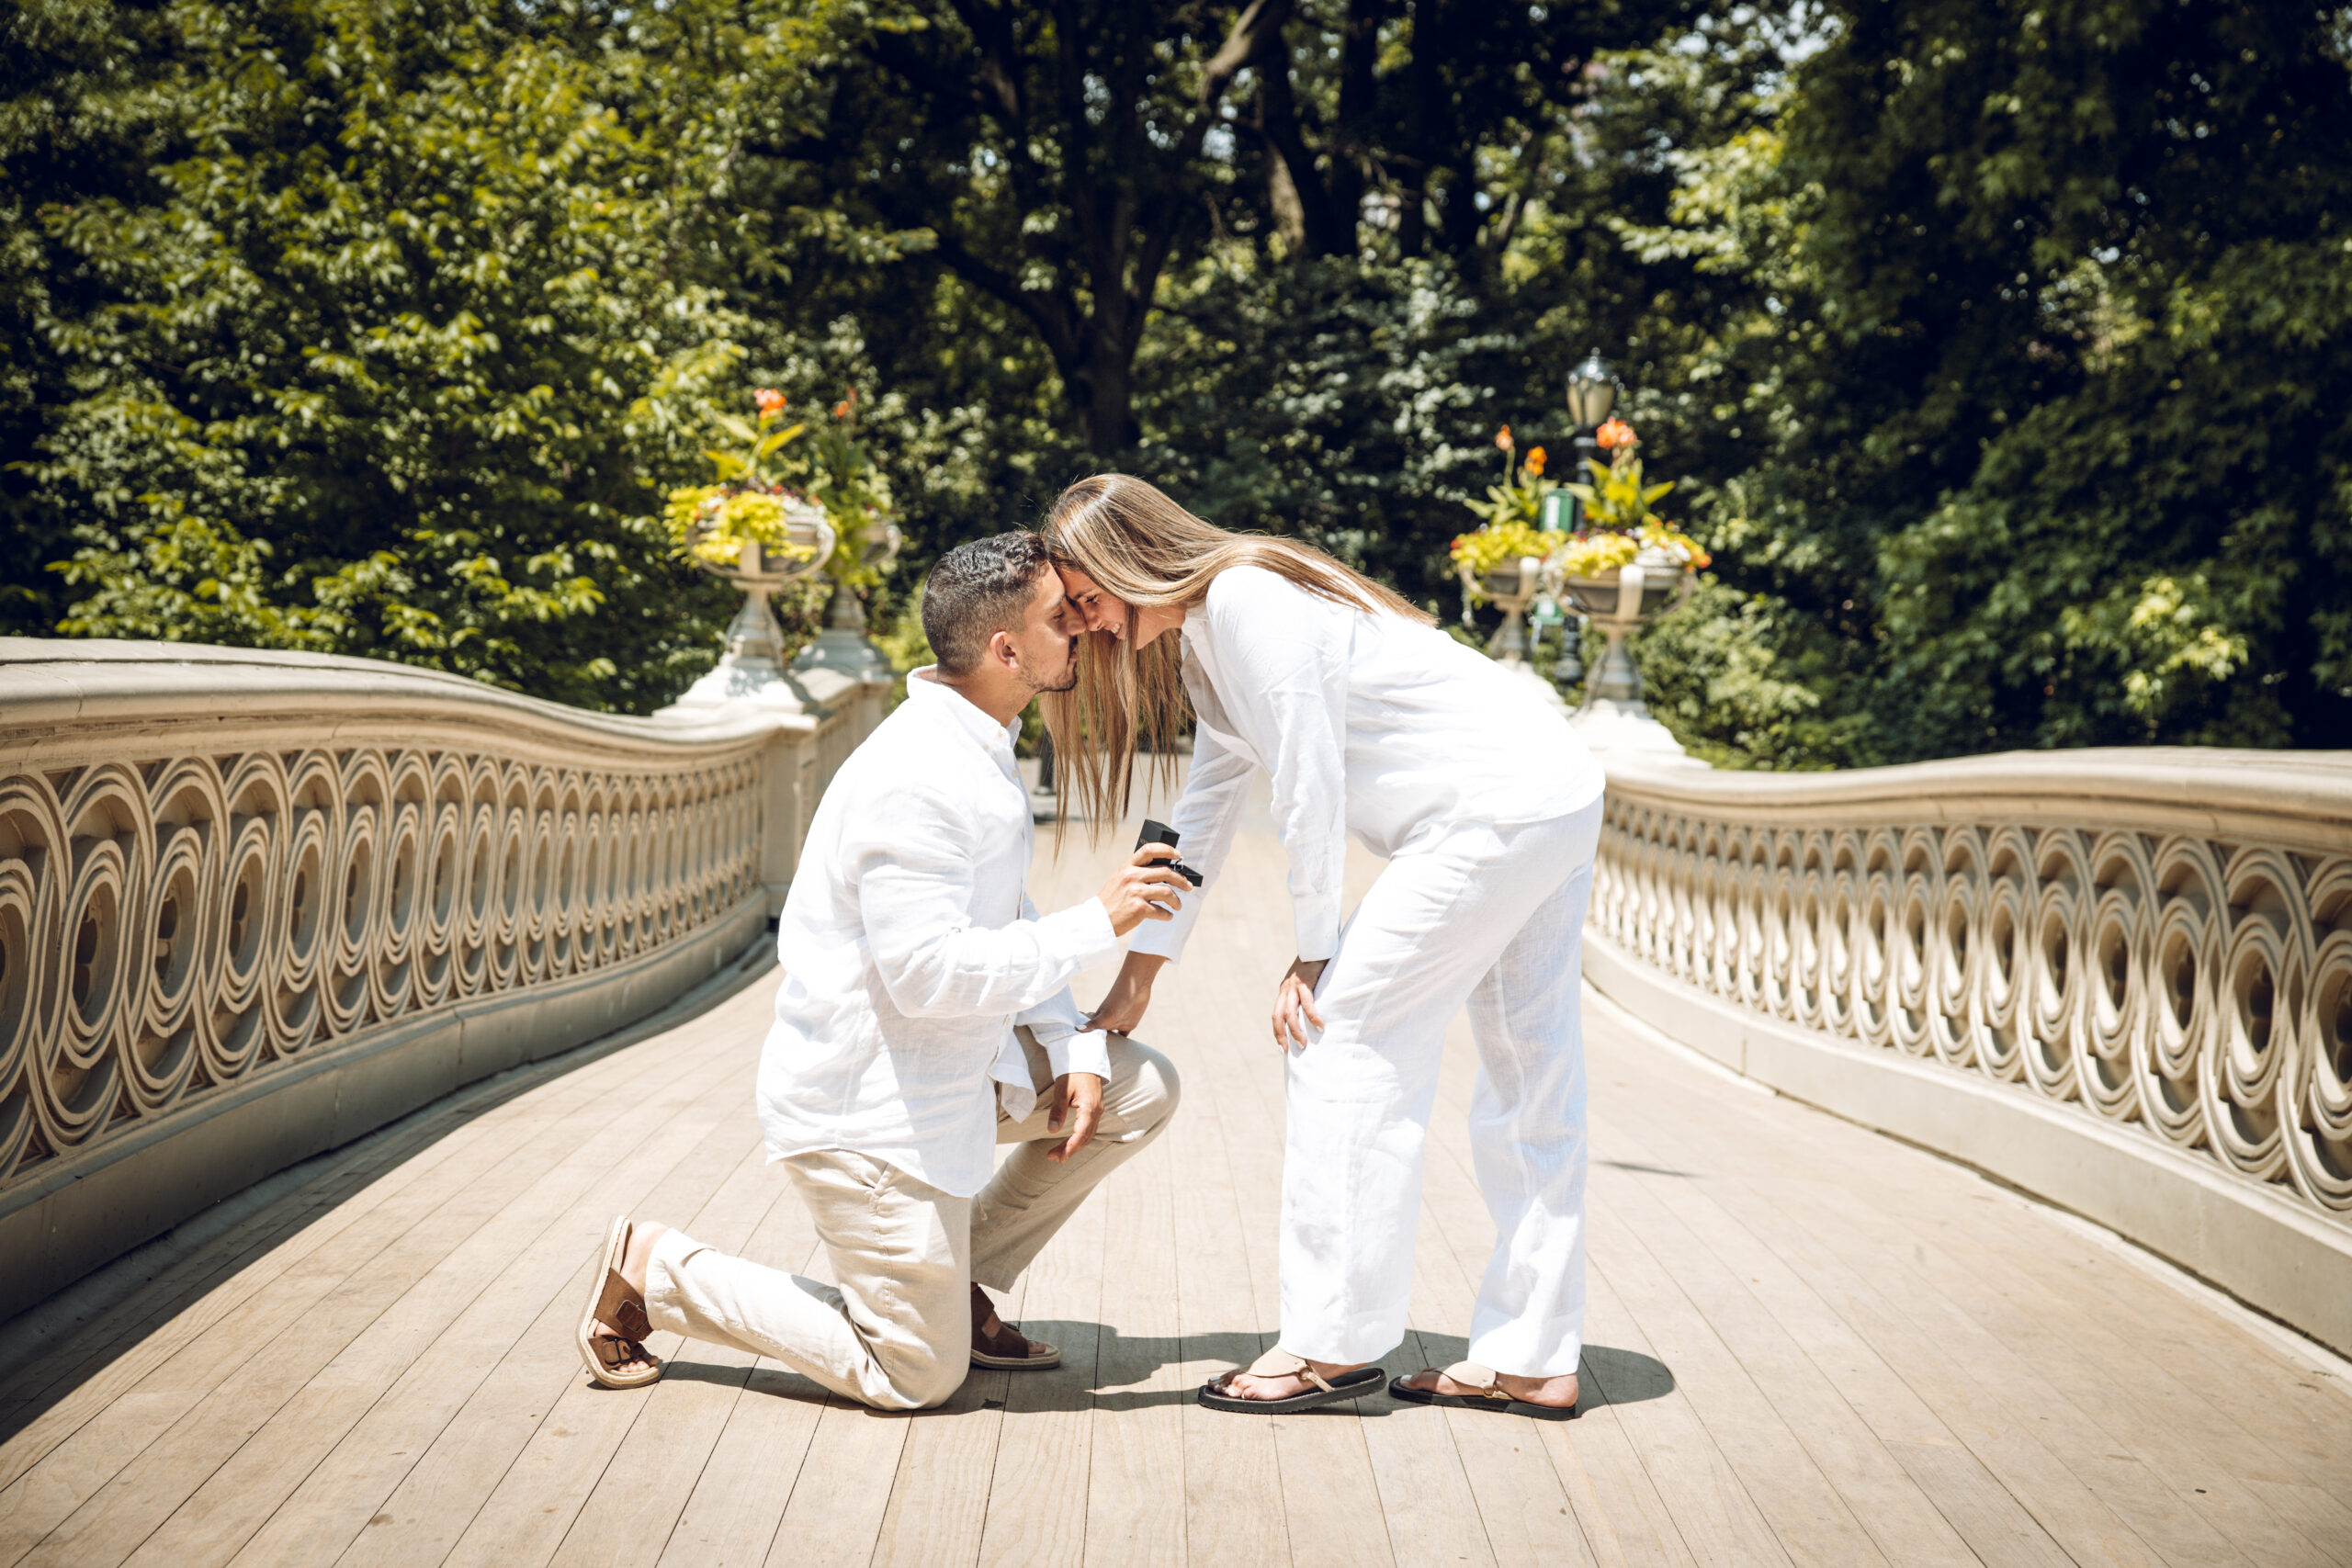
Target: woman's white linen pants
[1490, 917]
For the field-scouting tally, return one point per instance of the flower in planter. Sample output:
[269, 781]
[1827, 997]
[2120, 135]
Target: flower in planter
[1513, 511]
[1500, 545]
[1615, 434]
[746, 504]
[1597, 555]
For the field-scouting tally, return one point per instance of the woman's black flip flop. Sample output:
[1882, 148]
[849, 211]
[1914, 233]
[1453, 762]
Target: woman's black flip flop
[1490, 1395]
[1282, 1363]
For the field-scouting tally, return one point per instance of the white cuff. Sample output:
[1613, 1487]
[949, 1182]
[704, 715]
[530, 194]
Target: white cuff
[1166, 939]
[1086, 1052]
[1317, 926]
[1081, 933]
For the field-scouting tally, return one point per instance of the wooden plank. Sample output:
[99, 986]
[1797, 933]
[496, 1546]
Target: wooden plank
[453, 1324]
[1901, 1320]
[1625, 1523]
[336, 1502]
[1233, 1492]
[129, 1511]
[834, 1516]
[82, 1440]
[1804, 1156]
[1713, 1517]
[440, 1490]
[738, 1501]
[1709, 1514]
[1036, 1502]
[2175, 1450]
[1972, 1401]
[141, 1334]
[1458, 1487]
[2190, 1371]
[1135, 1496]
[2143, 1431]
[524, 1516]
[1875, 1487]
[643, 1489]
[1996, 1528]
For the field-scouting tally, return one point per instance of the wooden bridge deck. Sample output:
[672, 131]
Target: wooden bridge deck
[1809, 1344]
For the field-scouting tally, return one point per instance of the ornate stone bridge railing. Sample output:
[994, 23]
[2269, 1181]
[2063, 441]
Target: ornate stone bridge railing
[254, 905]
[2120, 980]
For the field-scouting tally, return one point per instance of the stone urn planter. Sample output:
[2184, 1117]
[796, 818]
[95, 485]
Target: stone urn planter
[751, 669]
[843, 646]
[1614, 717]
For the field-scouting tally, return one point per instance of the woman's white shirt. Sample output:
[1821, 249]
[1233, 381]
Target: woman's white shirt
[910, 949]
[1368, 723]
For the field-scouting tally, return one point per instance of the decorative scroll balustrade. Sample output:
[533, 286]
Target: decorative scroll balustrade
[2184, 967]
[2159, 941]
[225, 873]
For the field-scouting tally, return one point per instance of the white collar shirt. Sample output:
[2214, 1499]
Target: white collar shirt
[1368, 723]
[910, 949]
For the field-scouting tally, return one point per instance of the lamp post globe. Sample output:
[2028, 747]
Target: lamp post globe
[1592, 392]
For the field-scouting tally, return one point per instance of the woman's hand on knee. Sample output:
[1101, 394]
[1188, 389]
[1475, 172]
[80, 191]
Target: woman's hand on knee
[1295, 1003]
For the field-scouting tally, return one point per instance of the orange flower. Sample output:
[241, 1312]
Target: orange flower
[848, 406]
[771, 401]
[1535, 463]
[1502, 439]
[1614, 434]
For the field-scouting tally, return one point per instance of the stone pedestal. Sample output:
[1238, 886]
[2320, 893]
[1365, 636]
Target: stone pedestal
[751, 673]
[843, 646]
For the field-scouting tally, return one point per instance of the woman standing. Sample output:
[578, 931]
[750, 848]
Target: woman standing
[1370, 721]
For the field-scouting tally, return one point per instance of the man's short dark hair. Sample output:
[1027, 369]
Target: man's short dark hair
[976, 591]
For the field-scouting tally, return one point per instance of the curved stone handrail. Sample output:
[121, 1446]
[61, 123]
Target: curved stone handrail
[255, 904]
[2155, 946]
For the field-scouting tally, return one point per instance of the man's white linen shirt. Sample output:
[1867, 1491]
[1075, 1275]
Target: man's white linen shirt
[910, 951]
[1369, 724]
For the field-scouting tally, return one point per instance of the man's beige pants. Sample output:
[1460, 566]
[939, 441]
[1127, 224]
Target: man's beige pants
[897, 1333]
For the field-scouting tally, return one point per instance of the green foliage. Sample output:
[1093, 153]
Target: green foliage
[2046, 412]
[394, 353]
[1997, 349]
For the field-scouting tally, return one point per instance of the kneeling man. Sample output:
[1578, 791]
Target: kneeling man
[925, 1017]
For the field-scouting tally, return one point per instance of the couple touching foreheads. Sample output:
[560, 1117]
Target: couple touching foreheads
[926, 1014]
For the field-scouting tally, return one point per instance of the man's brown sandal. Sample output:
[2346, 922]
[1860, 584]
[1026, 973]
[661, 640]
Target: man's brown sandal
[1491, 1394]
[614, 1305]
[1006, 1346]
[1217, 1393]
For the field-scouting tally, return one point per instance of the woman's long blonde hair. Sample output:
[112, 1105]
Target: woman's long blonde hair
[1143, 548]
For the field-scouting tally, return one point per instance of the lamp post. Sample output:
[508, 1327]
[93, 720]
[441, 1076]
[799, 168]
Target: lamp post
[1591, 398]
[1614, 716]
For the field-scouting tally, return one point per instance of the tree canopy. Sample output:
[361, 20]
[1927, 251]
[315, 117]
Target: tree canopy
[2000, 348]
